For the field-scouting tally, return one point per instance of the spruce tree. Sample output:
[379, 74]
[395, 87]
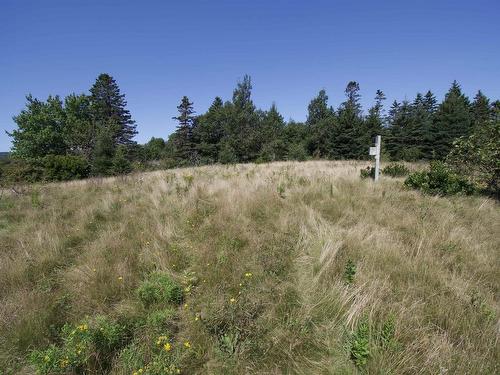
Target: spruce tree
[242, 124]
[317, 109]
[481, 110]
[109, 110]
[321, 123]
[104, 150]
[374, 122]
[452, 120]
[209, 131]
[183, 142]
[271, 133]
[348, 141]
[120, 163]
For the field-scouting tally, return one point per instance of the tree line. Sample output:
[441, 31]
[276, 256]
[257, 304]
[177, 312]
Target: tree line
[93, 134]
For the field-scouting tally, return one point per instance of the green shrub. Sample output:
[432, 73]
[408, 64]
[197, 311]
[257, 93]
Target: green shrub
[368, 172]
[396, 170]
[159, 288]
[48, 168]
[86, 348]
[16, 171]
[63, 167]
[439, 180]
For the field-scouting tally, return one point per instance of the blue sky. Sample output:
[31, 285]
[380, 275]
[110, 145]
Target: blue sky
[159, 51]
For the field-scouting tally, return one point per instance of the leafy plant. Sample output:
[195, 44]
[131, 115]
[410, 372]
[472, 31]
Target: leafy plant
[360, 344]
[87, 347]
[159, 288]
[396, 170]
[439, 180]
[350, 271]
[281, 190]
[387, 333]
[368, 172]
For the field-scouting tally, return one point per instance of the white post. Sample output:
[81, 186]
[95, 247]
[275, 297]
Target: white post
[375, 151]
[377, 157]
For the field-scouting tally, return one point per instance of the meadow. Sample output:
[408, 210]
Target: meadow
[280, 268]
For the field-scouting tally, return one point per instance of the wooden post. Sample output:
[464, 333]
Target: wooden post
[375, 151]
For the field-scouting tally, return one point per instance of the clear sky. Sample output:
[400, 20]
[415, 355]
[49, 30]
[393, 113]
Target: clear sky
[161, 50]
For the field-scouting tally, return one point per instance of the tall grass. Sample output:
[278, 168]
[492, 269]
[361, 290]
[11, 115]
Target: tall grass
[286, 268]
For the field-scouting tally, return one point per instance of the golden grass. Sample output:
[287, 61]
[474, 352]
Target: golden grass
[430, 264]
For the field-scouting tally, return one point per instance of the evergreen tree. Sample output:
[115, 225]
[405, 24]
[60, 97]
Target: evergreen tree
[271, 131]
[209, 131]
[40, 129]
[242, 94]
[321, 123]
[120, 163]
[349, 132]
[400, 121]
[184, 146]
[430, 102]
[109, 110]
[481, 109]
[242, 124]
[104, 150]
[374, 122]
[317, 109]
[452, 120]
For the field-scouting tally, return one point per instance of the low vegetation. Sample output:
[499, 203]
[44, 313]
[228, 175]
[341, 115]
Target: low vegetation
[288, 267]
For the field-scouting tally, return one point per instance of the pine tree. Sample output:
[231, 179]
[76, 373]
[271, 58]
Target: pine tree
[242, 94]
[317, 109]
[481, 110]
[321, 123]
[209, 131]
[271, 133]
[374, 122]
[348, 141]
[452, 120]
[430, 102]
[184, 146]
[120, 163]
[398, 140]
[104, 150]
[109, 110]
[242, 124]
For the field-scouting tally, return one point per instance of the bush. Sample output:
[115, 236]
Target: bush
[48, 168]
[478, 157]
[86, 348]
[159, 288]
[439, 180]
[15, 172]
[396, 170]
[368, 172]
[63, 167]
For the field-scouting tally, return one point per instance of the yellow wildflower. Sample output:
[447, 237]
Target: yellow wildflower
[167, 347]
[120, 278]
[248, 274]
[232, 300]
[187, 344]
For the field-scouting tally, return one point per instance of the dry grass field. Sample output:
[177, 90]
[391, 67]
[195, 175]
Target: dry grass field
[285, 268]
